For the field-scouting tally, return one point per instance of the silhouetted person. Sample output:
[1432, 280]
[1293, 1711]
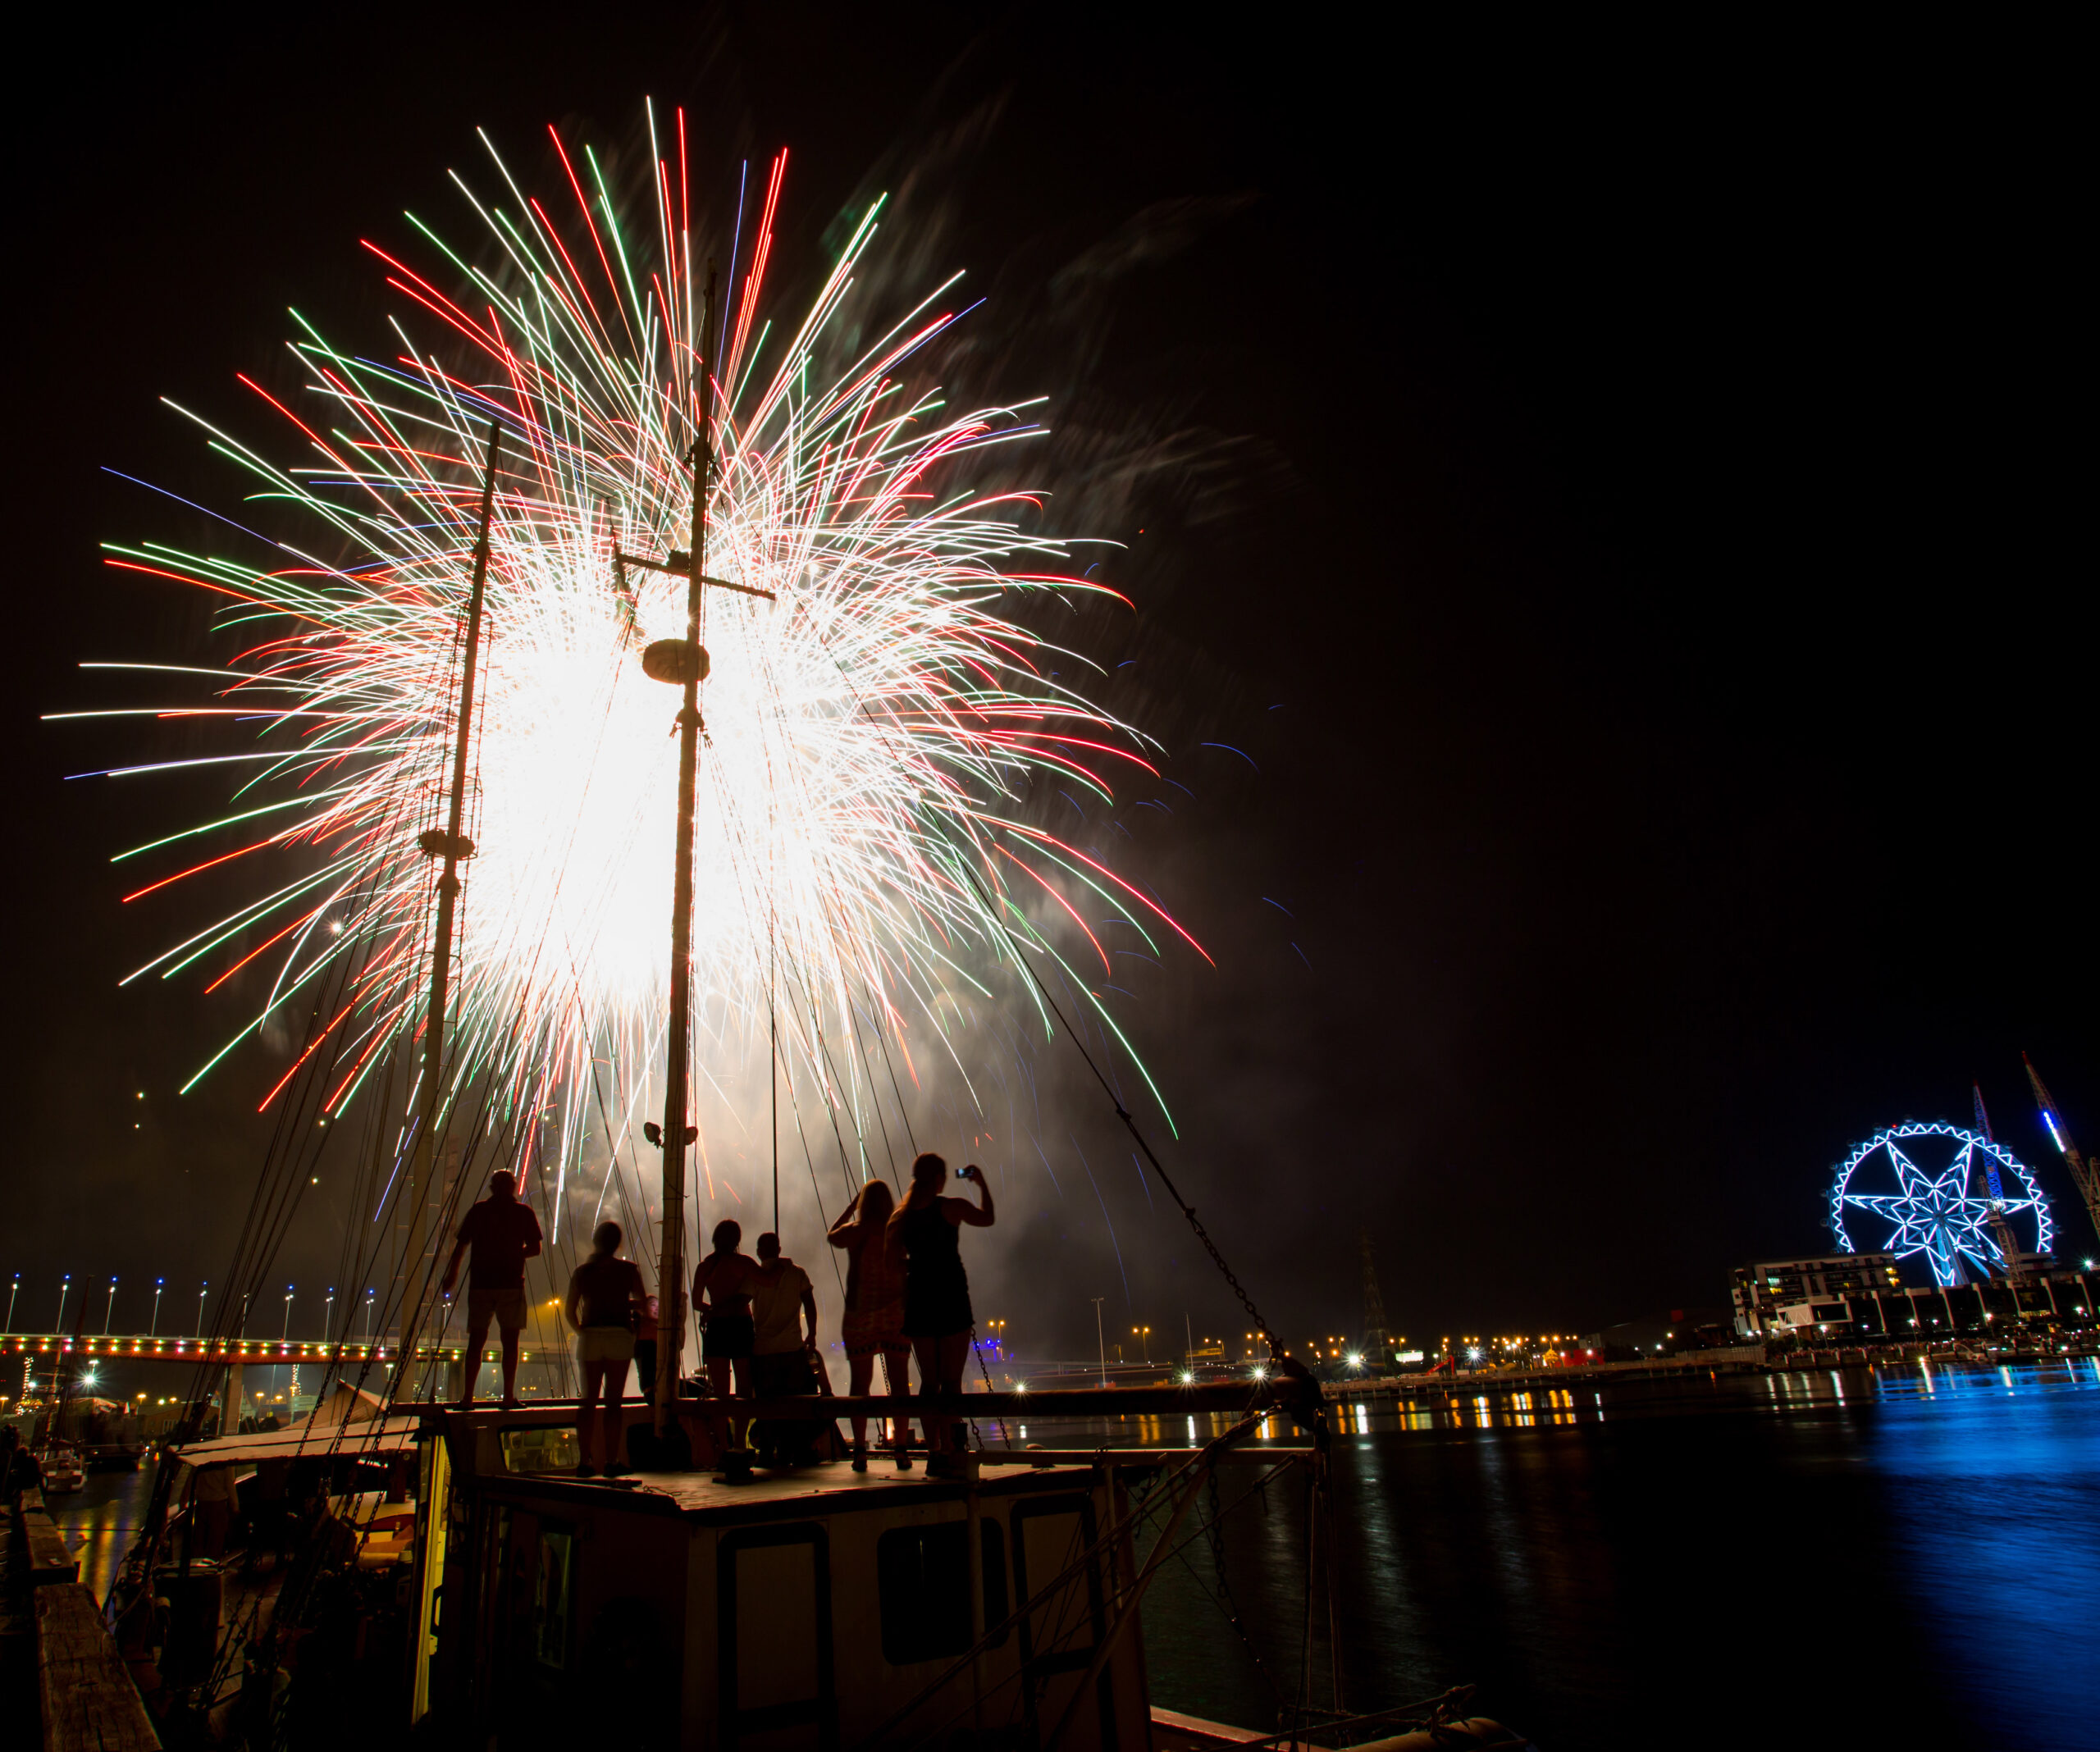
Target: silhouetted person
[214, 1503]
[265, 1515]
[19, 1470]
[784, 1323]
[936, 1313]
[873, 1326]
[783, 1332]
[504, 1235]
[722, 1294]
[606, 1294]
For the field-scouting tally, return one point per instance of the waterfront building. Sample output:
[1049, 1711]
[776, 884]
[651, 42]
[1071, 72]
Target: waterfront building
[1769, 1292]
[1857, 1297]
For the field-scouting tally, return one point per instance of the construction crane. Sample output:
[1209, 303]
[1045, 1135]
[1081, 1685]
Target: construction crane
[2084, 1173]
[2001, 1229]
[1377, 1342]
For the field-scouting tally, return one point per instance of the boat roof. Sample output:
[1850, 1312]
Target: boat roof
[370, 1440]
[829, 1487]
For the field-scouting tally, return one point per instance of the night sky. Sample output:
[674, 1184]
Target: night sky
[1610, 493]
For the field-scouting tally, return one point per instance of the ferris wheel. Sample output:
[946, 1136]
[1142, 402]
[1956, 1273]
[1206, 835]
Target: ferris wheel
[1922, 1181]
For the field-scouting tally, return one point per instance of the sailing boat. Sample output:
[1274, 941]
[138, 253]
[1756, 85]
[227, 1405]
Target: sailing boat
[811, 1608]
[819, 1607]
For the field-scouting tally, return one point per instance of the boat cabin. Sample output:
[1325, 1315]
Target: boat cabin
[814, 1608]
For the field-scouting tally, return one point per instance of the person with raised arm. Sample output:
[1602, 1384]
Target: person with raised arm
[937, 1318]
[874, 1326]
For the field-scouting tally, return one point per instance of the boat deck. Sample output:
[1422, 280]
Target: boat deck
[827, 1487]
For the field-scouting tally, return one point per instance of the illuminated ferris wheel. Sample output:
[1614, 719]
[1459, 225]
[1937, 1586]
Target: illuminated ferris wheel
[1961, 1199]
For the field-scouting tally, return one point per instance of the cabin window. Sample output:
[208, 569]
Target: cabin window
[773, 1619]
[996, 1607]
[923, 1578]
[552, 1591]
[540, 1450]
[1054, 1535]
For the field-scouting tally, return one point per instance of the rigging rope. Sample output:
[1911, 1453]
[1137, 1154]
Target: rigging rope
[1277, 1349]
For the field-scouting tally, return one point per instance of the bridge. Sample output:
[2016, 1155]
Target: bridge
[192, 1353]
[546, 1371]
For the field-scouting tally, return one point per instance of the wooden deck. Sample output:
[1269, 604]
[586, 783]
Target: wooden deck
[84, 1694]
[828, 1487]
[88, 1702]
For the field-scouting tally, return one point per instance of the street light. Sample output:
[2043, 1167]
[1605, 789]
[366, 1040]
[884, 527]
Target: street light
[12, 1294]
[159, 1285]
[203, 1289]
[109, 1308]
[64, 1284]
[369, 1295]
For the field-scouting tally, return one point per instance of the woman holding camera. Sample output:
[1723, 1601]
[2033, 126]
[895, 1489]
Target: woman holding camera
[937, 1318]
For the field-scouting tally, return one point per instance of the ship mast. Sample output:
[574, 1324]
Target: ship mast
[690, 664]
[684, 662]
[451, 844]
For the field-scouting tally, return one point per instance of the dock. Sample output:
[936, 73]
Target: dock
[56, 1655]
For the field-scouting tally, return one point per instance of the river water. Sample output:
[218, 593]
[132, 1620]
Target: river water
[100, 1521]
[1878, 1558]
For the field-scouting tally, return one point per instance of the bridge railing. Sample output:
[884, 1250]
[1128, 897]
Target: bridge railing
[50, 1346]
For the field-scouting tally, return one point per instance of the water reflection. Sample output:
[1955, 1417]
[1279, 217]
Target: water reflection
[99, 1522]
[1865, 1558]
[1897, 1556]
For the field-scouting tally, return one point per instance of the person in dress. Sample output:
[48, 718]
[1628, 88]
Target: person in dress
[504, 1235]
[937, 1318]
[605, 1296]
[874, 1326]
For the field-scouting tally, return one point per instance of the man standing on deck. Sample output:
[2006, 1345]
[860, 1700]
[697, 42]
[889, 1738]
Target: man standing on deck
[504, 1235]
[782, 1299]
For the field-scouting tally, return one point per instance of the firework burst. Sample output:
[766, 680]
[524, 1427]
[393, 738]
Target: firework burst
[864, 856]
